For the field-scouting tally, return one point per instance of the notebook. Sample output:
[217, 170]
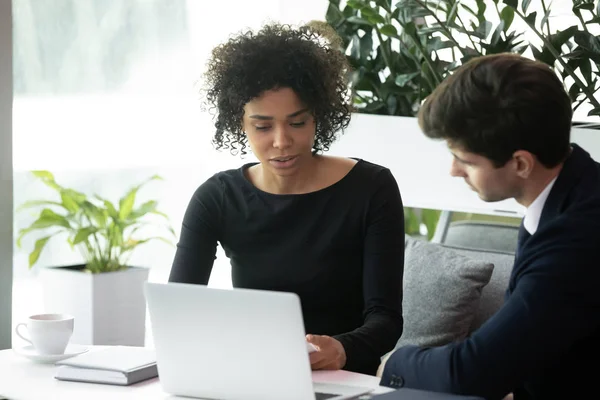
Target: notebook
[116, 365]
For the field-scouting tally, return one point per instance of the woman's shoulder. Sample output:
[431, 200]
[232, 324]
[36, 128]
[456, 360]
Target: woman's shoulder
[221, 182]
[369, 171]
[362, 174]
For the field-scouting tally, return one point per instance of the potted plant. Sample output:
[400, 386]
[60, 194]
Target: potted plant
[104, 293]
[400, 51]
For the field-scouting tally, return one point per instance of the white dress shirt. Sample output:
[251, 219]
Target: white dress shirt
[534, 211]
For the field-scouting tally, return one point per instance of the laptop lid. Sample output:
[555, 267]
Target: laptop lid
[229, 343]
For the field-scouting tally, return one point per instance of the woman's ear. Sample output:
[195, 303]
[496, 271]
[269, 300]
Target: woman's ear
[524, 162]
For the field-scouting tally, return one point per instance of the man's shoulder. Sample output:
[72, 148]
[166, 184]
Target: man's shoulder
[571, 237]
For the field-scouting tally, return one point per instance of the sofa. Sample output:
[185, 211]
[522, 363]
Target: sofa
[452, 285]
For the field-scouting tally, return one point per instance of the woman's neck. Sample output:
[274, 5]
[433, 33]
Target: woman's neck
[302, 181]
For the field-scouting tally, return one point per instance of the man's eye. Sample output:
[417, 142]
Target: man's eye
[262, 128]
[298, 124]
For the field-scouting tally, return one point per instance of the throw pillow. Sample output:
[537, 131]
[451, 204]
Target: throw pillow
[441, 293]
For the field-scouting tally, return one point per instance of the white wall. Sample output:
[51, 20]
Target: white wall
[6, 175]
[421, 165]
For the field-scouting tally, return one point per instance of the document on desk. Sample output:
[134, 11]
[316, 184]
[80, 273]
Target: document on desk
[118, 365]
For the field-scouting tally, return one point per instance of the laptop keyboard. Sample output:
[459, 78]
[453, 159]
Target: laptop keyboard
[323, 396]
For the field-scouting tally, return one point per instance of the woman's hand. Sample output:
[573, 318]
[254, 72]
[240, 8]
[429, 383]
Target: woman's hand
[330, 353]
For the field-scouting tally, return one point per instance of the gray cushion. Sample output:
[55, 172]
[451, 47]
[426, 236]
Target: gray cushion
[441, 293]
[492, 297]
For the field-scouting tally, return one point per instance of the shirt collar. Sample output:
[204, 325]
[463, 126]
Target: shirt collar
[534, 211]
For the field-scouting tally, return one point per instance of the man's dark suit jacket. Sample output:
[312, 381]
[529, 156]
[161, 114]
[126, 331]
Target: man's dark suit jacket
[544, 343]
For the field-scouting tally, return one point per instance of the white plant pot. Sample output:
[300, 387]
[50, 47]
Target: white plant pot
[109, 308]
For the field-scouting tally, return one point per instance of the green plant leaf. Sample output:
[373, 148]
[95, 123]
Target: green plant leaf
[525, 5]
[545, 17]
[366, 45]
[430, 218]
[574, 91]
[147, 207]
[356, 4]
[481, 8]
[49, 218]
[83, 234]
[69, 200]
[593, 112]
[430, 29]
[588, 41]
[508, 15]
[411, 222]
[37, 203]
[389, 30]
[110, 208]
[47, 178]
[115, 235]
[94, 213]
[437, 43]
[334, 16]
[373, 107]
[585, 67]
[358, 20]
[39, 246]
[376, 19]
[126, 204]
[385, 4]
[583, 5]
[560, 38]
[531, 18]
[47, 175]
[497, 35]
[451, 15]
[403, 79]
[392, 104]
[512, 3]
[131, 244]
[595, 20]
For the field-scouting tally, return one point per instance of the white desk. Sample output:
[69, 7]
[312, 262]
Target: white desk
[23, 379]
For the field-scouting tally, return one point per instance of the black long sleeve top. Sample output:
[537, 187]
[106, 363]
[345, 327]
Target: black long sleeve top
[340, 249]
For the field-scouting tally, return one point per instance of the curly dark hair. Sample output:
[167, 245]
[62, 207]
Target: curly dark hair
[307, 60]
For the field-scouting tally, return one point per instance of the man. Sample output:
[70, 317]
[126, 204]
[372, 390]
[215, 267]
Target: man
[507, 119]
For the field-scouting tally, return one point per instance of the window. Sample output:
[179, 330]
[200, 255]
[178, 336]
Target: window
[105, 96]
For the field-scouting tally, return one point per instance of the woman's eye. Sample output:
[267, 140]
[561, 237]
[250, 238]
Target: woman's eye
[298, 124]
[262, 128]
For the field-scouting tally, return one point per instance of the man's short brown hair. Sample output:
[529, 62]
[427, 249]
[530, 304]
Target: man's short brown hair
[497, 104]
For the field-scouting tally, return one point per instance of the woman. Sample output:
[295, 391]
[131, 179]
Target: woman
[329, 229]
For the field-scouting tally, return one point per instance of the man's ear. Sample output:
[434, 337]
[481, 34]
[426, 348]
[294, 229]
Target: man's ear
[524, 162]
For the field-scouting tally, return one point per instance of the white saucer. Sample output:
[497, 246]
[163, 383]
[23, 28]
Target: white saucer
[29, 352]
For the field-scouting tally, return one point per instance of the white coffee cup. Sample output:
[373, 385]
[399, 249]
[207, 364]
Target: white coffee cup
[48, 333]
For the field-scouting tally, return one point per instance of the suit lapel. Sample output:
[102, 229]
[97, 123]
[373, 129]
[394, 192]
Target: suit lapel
[574, 167]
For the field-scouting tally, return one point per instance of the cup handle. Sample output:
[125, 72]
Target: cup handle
[19, 334]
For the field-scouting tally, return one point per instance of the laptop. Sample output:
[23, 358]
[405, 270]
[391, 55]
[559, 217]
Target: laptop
[233, 344]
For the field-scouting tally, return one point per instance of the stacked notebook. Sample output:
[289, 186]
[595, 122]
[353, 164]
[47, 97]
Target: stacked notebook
[117, 365]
